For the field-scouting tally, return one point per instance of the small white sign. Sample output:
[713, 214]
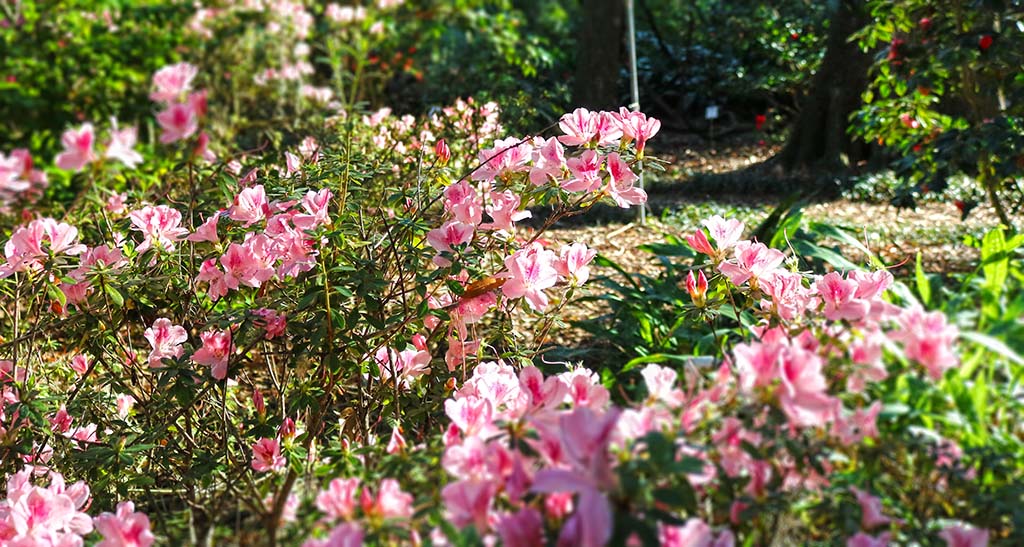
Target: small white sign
[711, 112]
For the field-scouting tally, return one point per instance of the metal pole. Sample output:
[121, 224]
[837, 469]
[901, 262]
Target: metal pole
[634, 88]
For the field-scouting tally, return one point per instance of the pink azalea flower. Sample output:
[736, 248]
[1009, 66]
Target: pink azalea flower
[472, 415]
[620, 183]
[752, 261]
[24, 250]
[180, 121]
[346, 534]
[207, 231]
[870, 510]
[266, 455]
[928, 339]
[80, 364]
[315, 204]
[726, 233]
[160, 225]
[859, 425]
[507, 156]
[463, 202]
[274, 323]
[530, 271]
[397, 443]
[115, 203]
[173, 81]
[572, 263]
[964, 535]
[586, 172]
[695, 533]
[124, 405]
[802, 392]
[217, 348]
[451, 234]
[548, 162]
[125, 528]
[250, 206]
[122, 145]
[637, 126]
[468, 502]
[579, 127]
[661, 384]
[338, 501]
[390, 502]
[839, 296]
[78, 150]
[503, 210]
[165, 339]
[524, 528]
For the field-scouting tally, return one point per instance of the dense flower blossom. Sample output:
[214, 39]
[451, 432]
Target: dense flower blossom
[32, 243]
[124, 528]
[78, 148]
[33, 515]
[160, 226]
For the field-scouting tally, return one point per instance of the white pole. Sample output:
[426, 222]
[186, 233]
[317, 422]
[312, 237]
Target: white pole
[634, 87]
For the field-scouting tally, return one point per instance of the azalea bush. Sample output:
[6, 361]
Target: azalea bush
[319, 335]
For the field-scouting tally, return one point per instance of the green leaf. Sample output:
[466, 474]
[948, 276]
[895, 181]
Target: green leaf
[653, 358]
[924, 287]
[994, 345]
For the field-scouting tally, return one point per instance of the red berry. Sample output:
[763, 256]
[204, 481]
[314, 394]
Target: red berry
[985, 42]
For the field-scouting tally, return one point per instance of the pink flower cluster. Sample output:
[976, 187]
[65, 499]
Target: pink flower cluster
[19, 179]
[283, 248]
[78, 147]
[53, 516]
[343, 499]
[183, 109]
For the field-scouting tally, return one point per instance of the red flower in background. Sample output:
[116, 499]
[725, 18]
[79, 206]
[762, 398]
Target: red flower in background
[759, 121]
[985, 42]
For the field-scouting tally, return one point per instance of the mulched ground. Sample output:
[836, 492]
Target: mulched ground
[895, 235]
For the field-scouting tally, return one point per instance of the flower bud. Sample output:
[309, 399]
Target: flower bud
[287, 430]
[257, 401]
[442, 151]
[698, 288]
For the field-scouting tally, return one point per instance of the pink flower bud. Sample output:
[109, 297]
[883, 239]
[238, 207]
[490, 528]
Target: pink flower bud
[287, 430]
[257, 401]
[442, 151]
[698, 288]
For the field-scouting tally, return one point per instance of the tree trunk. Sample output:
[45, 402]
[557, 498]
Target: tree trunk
[819, 138]
[598, 54]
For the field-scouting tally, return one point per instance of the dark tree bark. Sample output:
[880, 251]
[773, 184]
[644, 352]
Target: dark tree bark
[819, 137]
[599, 54]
